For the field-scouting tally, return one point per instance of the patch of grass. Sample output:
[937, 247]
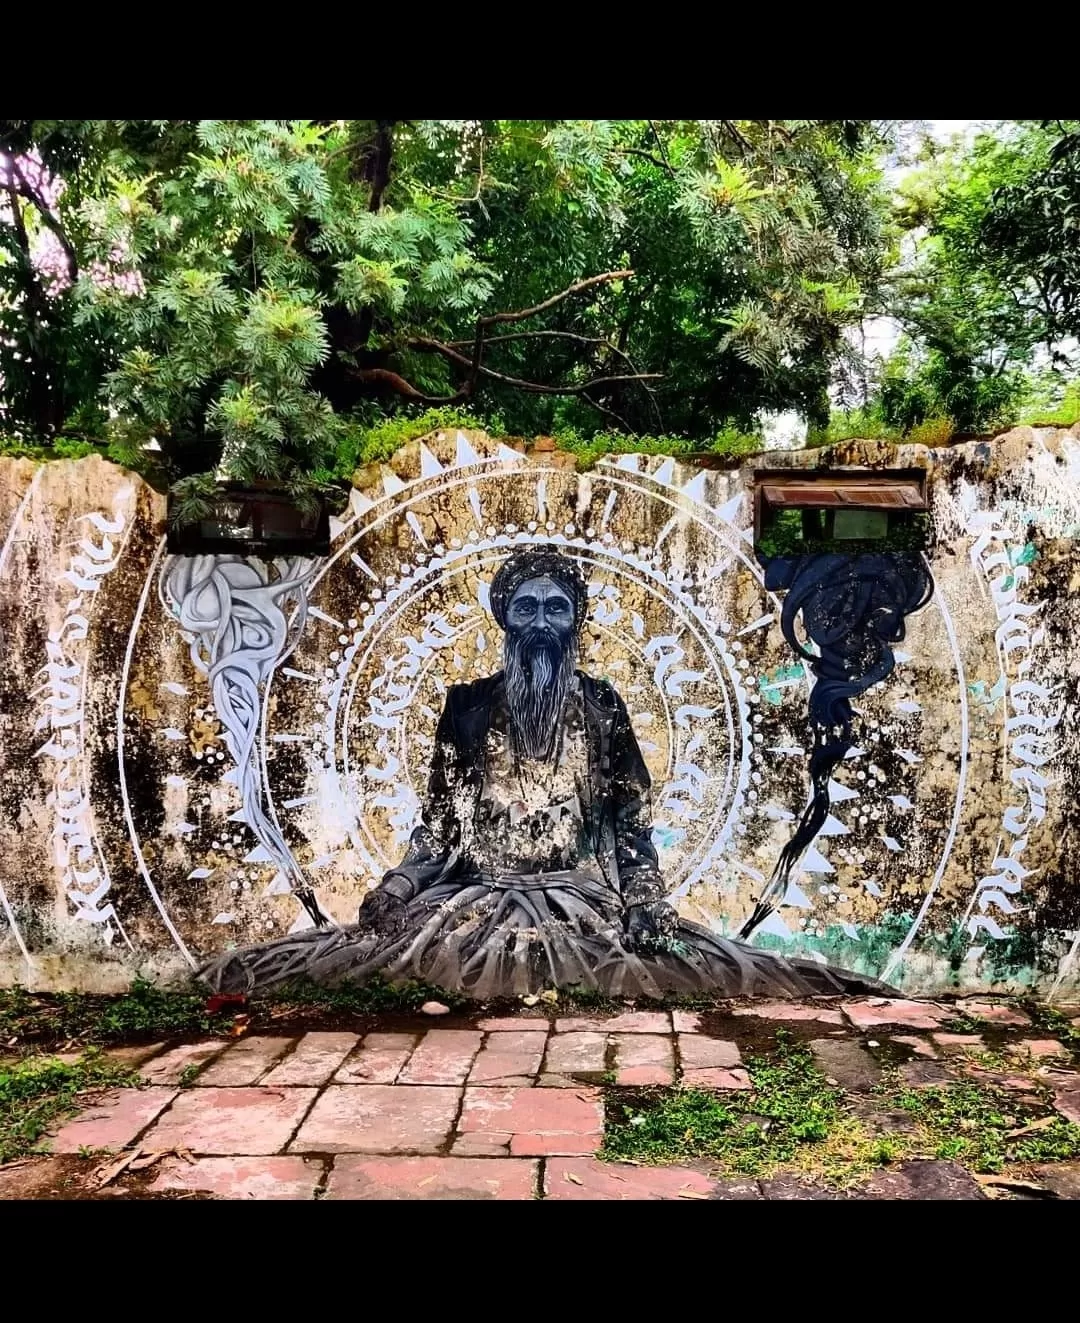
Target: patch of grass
[360, 444]
[973, 1123]
[362, 998]
[144, 1012]
[1055, 1023]
[38, 1091]
[789, 1106]
[729, 441]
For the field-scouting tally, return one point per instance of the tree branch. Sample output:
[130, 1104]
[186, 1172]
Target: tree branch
[27, 190]
[533, 387]
[653, 160]
[575, 288]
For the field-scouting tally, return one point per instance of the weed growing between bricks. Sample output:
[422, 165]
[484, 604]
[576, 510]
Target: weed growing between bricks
[37, 1091]
[986, 1128]
[793, 1120]
[755, 1132]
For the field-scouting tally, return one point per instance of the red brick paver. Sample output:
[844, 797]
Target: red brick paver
[314, 1061]
[632, 1022]
[1041, 1047]
[576, 1053]
[993, 1014]
[791, 1011]
[528, 1023]
[711, 1078]
[538, 1121]
[922, 1047]
[242, 1178]
[1067, 1098]
[956, 1042]
[883, 1010]
[698, 1052]
[586, 1178]
[244, 1062]
[113, 1121]
[431, 1178]
[378, 1060]
[644, 1059]
[379, 1118]
[247, 1122]
[509, 1058]
[168, 1068]
[443, 1056]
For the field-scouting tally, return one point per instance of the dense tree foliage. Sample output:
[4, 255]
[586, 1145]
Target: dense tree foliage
[993, 286]
[242, 293]
[252, 298]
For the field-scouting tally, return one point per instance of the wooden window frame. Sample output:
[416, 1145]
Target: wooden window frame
[837, 489]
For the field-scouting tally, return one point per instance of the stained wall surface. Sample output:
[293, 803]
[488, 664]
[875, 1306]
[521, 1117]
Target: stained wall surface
[186, 742]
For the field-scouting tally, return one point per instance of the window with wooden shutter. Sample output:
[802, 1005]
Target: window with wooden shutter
[810, 512]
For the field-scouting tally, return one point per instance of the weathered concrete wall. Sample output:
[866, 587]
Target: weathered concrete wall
[186, 742]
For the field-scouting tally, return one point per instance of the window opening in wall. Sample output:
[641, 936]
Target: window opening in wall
[252, 521]
[844, 511]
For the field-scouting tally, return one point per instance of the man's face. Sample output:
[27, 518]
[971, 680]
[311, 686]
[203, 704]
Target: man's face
[541, 605]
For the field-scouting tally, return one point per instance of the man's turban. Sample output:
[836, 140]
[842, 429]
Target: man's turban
[533, 563]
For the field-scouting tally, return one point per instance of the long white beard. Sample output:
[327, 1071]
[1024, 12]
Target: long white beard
[538, 682]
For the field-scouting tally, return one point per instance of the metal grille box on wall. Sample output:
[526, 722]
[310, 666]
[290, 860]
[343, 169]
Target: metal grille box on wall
[275, 725]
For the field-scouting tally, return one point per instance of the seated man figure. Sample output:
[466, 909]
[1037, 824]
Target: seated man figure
[533, 865]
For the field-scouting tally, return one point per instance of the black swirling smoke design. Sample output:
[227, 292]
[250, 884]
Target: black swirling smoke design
[854, 609]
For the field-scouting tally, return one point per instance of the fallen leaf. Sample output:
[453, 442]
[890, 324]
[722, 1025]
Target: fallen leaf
[550, 996]
[185, 1154]
[105, 1175]
[426, 1181]
[147, 1160]
[693, 1194]
[1043, 1124]
[569, 1176]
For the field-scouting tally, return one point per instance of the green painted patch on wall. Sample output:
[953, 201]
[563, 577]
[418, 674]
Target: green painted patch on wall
[1024, 555]
[772, 683]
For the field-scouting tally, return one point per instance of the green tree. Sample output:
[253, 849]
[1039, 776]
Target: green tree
[993, 275]
[244, 295]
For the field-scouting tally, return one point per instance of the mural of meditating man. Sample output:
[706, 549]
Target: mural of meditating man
[533, 865]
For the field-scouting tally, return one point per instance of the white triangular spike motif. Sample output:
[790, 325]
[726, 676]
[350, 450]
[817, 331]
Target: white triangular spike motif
[775, 925]
[695, 488]
[797, 897]
[729, 511]
[838, 793]
[260, 855]
[465, 452]
[814, 861]
[665, 473]
[834, 827]
[505, 452]
[392, 484]
[359, 502]
[429, 465]
[628, 463]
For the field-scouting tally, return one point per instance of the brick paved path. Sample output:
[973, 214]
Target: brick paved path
[505, 1108]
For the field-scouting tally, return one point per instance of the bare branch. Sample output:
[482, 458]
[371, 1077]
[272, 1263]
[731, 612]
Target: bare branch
[653, 160]
[575, 288]
[730, 126]
[533, 387]
[660, 143]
